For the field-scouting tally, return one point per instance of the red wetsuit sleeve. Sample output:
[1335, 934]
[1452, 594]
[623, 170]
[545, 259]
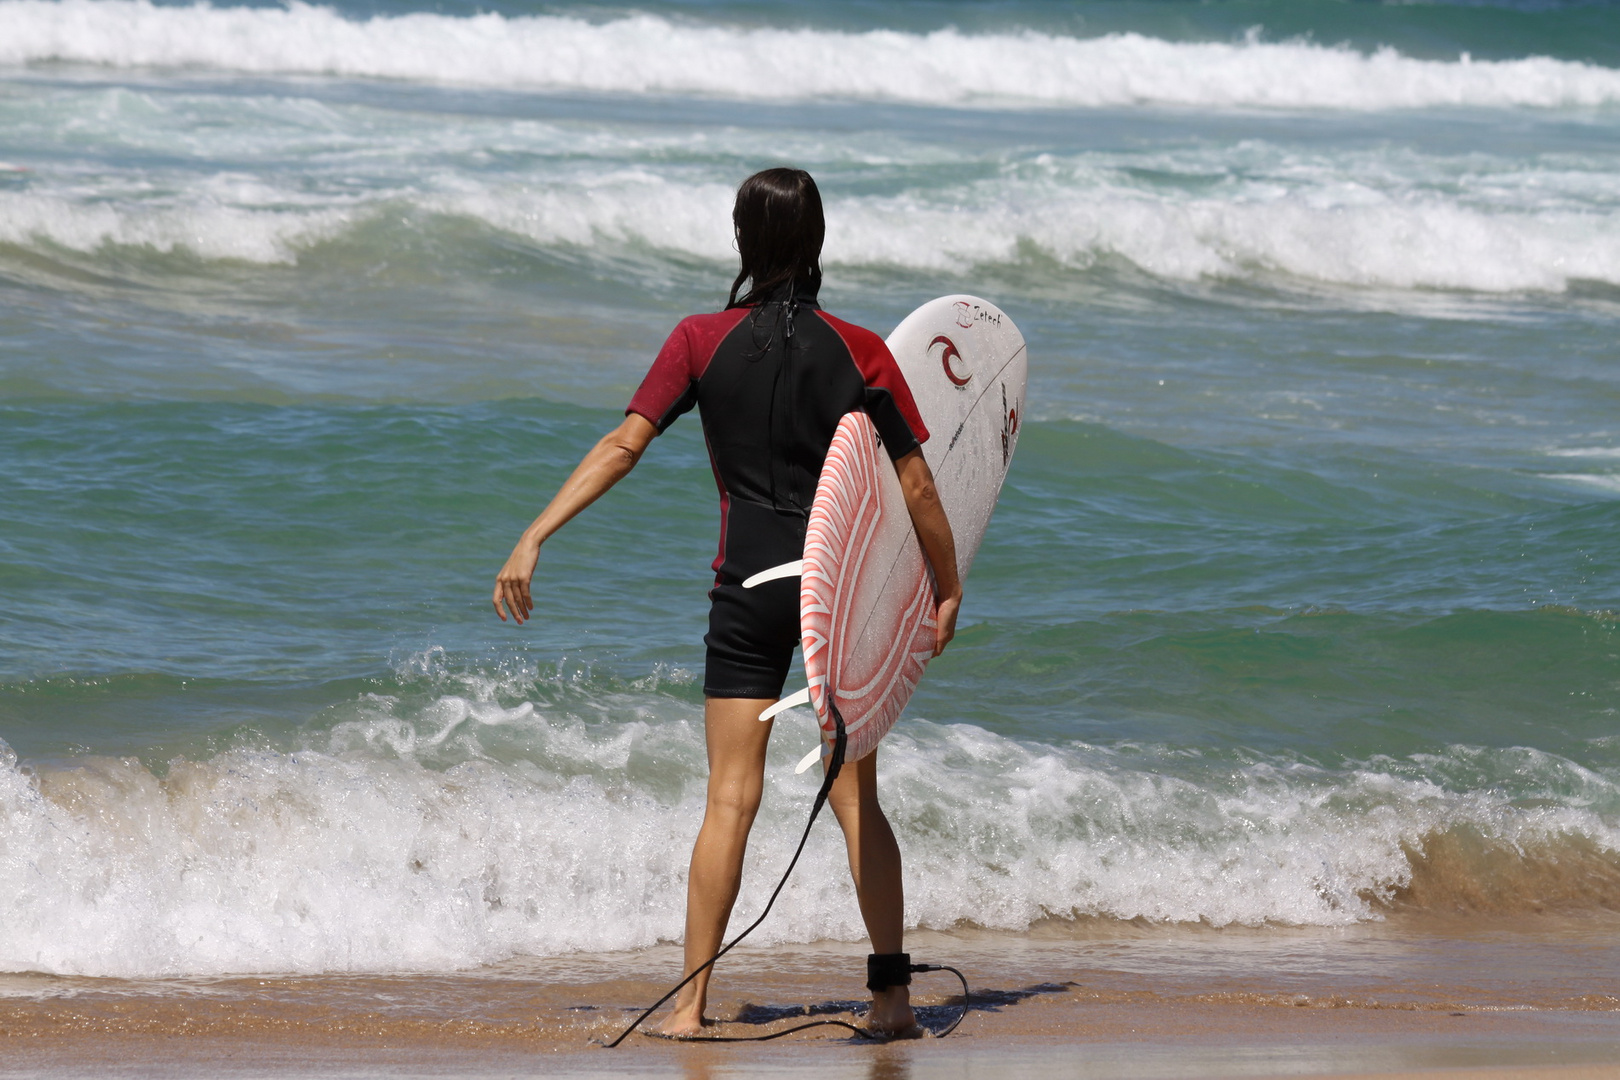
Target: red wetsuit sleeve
[671, 385]
[888, 398]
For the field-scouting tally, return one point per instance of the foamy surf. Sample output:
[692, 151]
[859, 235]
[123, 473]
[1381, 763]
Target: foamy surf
[1394, 241]
[204, 228]
[464, 832]
[267, 179]
[648, 54]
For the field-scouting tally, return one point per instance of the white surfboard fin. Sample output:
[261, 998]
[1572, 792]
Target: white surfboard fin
[792, 701]
[809, 759]
[787, 569]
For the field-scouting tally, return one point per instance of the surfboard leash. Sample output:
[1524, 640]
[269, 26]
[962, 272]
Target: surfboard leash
[834, 764]
[860, 1032]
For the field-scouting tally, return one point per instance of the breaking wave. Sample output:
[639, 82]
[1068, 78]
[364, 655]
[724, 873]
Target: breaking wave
[463, 830]
[648, 54]
[1390, 243]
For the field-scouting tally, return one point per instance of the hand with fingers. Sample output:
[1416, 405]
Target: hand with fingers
[512, 583]
[945, 618]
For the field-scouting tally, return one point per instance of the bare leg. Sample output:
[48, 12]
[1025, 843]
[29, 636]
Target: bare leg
[874, 861]
[736, 742]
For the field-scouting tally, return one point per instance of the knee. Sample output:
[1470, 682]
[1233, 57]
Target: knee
[734, 802]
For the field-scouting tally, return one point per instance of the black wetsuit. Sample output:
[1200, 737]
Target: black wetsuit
[771, 383]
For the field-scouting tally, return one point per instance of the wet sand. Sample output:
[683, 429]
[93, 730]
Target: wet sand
[1532, 997]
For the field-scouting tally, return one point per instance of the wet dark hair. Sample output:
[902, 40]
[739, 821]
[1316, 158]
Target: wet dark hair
[779, 232]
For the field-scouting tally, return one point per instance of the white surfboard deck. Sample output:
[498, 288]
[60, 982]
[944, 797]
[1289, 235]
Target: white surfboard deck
[967, 367]
[866, 598]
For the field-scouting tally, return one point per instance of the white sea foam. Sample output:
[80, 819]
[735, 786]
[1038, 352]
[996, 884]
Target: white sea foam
[1360, 238]
[202, 227]
[1375, 242]
[301, 173]
[1387, 243]
[297, 173]
[622, 208]
[412, 842]
[647, 54]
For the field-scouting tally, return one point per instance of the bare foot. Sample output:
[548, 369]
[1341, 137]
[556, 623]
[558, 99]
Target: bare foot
[683, 1024]
[891, 1015]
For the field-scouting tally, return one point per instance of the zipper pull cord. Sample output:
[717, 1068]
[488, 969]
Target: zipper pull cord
[789, 309]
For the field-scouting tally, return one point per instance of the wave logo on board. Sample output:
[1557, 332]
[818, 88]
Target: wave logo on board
[1009, 428]
[946, 360]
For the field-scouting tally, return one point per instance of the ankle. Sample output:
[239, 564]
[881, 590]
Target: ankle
[894, 997]
[885, 970]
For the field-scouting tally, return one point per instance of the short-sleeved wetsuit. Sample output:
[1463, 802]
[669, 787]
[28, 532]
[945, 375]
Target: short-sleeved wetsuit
[771, 383]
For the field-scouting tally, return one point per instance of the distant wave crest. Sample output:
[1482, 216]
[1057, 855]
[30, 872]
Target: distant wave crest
[647, 54]
[1410, 243]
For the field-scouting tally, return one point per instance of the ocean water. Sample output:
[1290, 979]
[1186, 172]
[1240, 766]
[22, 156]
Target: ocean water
[1301, 607]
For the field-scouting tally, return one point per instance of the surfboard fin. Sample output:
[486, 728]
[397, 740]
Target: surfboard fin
[792, 701]
[810, 759]
[787, 569]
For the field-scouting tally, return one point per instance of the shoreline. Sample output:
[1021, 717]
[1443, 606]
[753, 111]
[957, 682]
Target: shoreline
[1060, 1001]
[1061, 1036]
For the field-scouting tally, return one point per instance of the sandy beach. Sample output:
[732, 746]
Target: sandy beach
[1504, 1001]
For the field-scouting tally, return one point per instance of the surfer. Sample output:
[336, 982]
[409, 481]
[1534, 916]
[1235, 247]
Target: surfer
[771, 376]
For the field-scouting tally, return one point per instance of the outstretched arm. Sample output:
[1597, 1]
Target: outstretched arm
[934, 532]
[608, 462]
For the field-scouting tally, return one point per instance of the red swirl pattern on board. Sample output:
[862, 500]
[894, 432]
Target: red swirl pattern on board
[873, 663]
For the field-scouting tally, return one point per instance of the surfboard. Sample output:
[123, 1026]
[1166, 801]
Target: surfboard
[866, 594]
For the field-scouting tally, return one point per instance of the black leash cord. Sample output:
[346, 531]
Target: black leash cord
[965, 1004]
[834, 764]
[859, 1032]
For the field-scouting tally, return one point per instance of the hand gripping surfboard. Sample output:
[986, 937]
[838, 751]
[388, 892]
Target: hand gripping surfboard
[866, 594]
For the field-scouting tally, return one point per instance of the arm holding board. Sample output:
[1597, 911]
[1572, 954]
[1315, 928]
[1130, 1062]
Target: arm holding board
[934, 533]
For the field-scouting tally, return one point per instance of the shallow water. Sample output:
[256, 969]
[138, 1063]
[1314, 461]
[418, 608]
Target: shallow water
[1298, 610]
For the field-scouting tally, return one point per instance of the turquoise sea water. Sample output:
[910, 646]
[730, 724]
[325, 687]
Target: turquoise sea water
[1305, 576]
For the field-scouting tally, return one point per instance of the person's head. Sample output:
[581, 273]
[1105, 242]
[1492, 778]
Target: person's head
[779, 232]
